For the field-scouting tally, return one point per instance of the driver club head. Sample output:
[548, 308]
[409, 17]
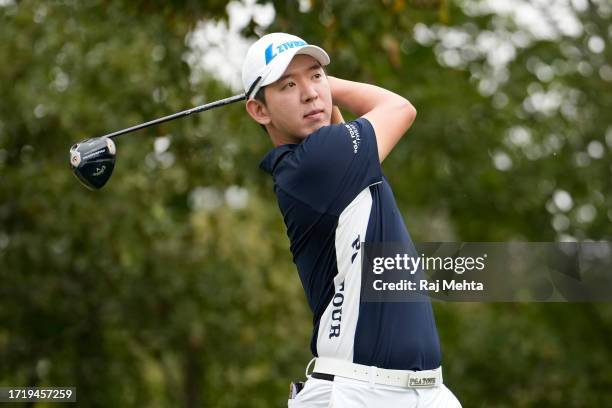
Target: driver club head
[93, 161]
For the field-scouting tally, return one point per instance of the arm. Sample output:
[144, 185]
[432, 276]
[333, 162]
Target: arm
[390, 114]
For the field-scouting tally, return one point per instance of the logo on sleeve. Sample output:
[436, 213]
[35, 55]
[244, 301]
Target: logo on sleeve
[354, 134]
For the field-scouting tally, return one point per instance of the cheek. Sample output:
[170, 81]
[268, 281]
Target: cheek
[286, 111]
[325, 97]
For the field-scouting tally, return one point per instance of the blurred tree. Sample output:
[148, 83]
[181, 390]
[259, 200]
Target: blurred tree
[174, 285]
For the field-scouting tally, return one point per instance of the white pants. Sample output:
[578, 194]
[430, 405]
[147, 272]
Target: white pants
[348, 393]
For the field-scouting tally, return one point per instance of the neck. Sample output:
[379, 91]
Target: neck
[279, 138]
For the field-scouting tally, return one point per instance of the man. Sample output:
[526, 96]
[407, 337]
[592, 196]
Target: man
[333, 196]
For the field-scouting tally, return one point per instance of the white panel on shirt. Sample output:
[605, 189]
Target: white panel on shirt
[336, 335]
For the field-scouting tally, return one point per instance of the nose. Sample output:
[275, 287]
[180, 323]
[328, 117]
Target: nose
[309, 93]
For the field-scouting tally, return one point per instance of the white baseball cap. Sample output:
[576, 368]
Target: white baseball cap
[269, 57]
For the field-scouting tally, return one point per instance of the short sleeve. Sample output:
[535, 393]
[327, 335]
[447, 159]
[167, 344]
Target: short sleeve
[332, 166]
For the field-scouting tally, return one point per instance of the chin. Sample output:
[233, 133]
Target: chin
[312, 129]
[304, 132]
[318, 126]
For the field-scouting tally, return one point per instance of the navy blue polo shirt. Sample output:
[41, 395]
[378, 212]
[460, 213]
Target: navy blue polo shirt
[333, 196]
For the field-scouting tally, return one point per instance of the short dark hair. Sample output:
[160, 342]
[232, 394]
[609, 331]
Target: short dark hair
[260, 96]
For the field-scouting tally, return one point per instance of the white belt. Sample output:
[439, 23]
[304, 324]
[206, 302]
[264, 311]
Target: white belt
[375, 375]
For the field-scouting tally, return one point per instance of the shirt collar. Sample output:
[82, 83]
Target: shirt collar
[274, 156]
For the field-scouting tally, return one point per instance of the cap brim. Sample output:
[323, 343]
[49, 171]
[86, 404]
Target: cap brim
[279, 67]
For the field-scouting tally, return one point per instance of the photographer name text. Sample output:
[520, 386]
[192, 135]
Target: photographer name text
[423, 285]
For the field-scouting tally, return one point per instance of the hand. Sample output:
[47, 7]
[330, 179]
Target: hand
[336, 116]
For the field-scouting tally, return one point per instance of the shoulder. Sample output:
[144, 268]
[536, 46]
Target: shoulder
[341, 138]
[351, 128]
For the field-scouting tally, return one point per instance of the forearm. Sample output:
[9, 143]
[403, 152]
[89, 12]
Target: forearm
[360, 98]
[390, 114]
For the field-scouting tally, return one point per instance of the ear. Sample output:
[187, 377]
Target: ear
[258, 111]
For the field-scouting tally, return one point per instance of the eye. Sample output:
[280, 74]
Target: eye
[288, 85]
[317, 76]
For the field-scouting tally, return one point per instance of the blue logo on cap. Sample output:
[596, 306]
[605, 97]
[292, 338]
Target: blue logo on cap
[272, 51]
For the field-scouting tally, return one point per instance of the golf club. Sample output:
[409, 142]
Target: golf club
[93, 160]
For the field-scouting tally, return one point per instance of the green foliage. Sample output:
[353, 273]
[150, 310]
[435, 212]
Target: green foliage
[158, 291]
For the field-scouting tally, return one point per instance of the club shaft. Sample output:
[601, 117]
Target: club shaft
[177, 115]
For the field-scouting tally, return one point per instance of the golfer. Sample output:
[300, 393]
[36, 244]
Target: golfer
[333, 197]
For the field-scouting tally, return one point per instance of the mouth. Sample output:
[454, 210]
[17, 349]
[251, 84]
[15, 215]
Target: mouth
[314, 114]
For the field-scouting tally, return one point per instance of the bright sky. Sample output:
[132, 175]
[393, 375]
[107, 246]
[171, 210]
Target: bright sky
[219, 50]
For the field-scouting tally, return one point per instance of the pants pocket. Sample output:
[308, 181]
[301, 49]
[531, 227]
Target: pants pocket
[316, 394]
